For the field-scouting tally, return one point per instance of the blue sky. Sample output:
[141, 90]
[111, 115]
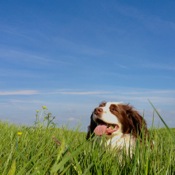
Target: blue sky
[71, 55]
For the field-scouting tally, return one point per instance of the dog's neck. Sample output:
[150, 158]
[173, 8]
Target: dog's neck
[120, 141]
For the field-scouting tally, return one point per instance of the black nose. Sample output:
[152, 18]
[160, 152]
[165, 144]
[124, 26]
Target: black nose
[98, 111]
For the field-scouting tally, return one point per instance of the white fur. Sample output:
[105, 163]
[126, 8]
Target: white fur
[121, 141]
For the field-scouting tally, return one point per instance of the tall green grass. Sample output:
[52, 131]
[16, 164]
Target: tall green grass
[52, 151]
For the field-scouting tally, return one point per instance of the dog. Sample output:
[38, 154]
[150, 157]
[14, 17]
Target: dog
[119, 123]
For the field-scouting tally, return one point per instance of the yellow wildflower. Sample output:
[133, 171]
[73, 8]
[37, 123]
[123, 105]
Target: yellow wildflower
[44, 107]
[19, 133]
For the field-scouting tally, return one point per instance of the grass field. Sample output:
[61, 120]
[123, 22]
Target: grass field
[40, 150]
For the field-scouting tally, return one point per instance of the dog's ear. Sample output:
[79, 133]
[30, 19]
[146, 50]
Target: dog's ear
[91, 128]
[131, 120]
[137, 122]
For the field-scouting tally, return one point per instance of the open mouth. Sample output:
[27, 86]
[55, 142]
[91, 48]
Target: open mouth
[104, 128]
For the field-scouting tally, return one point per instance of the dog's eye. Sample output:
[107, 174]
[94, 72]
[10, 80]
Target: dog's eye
[113, 108]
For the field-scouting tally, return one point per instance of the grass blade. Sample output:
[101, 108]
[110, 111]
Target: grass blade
[13, 168]
[168, 129]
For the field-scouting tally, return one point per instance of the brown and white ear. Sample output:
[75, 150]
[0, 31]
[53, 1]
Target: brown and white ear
[91, 128]
[139, 126]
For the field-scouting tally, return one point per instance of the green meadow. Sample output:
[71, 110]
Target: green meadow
[44, 149]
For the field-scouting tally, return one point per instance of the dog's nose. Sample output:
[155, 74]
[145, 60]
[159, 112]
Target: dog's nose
[98, 111]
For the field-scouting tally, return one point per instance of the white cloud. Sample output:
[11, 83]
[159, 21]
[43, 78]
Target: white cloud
[19, 92]
[159, 66]
[83, 92]
[72, 119]
[78, 47]
[152, 22]
[26, 57]
[140, 97]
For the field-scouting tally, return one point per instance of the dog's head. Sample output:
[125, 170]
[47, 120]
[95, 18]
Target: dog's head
[114, 118]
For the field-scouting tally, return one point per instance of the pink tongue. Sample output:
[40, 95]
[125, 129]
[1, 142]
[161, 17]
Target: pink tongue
[100, 130]
[103, 129]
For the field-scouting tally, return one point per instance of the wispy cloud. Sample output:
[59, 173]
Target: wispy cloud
[27, 57]
[151, 22]
[66, 92]
[159, 66]
[19, 92]
[78, 47]
[141, 96]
